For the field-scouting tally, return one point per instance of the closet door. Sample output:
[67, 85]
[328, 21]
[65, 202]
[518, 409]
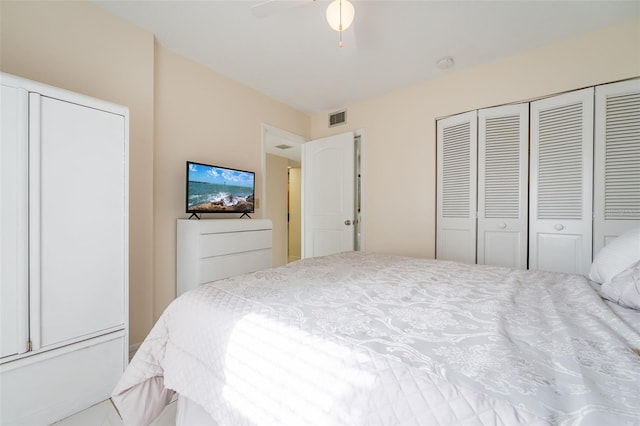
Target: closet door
[78, 221]
[616, 192]
[560, 236]
[503, 156]
[456, 188]
[14, 169]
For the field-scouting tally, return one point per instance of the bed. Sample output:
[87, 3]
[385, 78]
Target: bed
[372, 339]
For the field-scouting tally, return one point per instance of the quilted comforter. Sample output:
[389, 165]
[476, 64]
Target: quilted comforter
[368, 339]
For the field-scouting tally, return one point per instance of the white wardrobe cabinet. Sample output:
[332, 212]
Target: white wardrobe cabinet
[557, 179]
[64, 252]
[14, 183]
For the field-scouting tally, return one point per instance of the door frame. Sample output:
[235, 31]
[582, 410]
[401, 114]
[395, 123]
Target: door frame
[268, 131]
[272, 136]
[361, 192]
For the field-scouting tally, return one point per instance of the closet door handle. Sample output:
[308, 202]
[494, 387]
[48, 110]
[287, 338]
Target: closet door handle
[502, 225]
[559, 227]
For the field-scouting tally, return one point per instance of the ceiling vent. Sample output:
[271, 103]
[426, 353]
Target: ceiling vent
[283, 146]
[337, 118]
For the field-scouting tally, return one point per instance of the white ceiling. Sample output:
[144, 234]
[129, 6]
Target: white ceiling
[292, 54]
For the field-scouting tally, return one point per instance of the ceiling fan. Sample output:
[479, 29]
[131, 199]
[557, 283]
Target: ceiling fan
[340, 13]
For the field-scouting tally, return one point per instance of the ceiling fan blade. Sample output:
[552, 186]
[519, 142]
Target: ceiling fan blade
[270, 7]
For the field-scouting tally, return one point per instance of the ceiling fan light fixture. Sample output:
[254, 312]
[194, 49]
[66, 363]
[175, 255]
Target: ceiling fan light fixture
[340, 15]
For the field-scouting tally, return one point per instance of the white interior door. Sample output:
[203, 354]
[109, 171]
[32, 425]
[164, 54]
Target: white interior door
[503, 158]
[78, 223]
[14, 169]
[560, 234]
[328, 195]
[616, 192]
[457, 146]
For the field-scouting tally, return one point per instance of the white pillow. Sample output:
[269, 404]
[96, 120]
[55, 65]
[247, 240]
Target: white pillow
[624, 288]
[616, 256]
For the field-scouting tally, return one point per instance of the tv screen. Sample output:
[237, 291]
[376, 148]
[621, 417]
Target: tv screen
[213, 189]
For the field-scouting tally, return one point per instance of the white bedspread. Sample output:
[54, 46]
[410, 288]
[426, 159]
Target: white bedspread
[364, 339]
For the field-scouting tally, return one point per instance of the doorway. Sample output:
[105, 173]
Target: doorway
[281, 165]
[282, 200]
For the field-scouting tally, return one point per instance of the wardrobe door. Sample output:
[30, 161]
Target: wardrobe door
[78, 221]
[456, 188]
[14, 169]
[561, 161]
[616, 202]
[503, 185]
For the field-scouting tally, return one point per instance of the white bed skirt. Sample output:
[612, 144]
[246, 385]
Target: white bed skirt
[190, 413]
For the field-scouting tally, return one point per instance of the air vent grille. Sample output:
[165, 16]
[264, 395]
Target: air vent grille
[622, 157]
[337, 118]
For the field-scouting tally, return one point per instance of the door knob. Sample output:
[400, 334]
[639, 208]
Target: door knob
[559, 227]
[502, 225]
[347, 222]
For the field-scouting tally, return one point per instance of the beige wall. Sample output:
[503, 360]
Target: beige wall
[276, 194]
[295, 212]
[204, 117]
[399, 128]
[80, 47]
[179, 110]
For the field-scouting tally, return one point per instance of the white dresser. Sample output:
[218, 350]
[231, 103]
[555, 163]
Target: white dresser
[212, 249]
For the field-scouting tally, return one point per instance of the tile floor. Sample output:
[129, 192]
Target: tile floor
[105, 414]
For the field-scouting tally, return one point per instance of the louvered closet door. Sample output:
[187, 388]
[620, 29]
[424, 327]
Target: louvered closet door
[502, 185]
[616, 203]
[561, 183]
[456, 193]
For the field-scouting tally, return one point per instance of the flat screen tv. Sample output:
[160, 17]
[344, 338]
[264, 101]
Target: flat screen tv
[213, 189]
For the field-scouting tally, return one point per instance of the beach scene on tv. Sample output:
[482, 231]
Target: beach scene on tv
[213, 189]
